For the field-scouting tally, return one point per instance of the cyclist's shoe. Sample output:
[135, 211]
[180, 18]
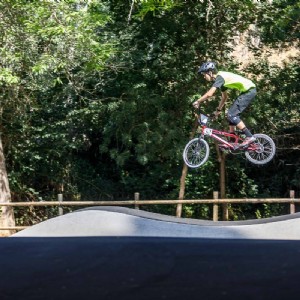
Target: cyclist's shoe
[247, 141]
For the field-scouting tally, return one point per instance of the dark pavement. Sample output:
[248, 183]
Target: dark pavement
[148, 268]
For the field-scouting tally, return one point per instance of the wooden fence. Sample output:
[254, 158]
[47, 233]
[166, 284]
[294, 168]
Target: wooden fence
[216, 202]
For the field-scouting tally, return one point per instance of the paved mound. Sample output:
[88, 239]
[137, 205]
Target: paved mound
[119, 221]
[120, 253]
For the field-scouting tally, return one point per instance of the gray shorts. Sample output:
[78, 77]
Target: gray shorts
[241, 102]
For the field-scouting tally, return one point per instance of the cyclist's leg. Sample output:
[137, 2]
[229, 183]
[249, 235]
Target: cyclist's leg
[238, 106]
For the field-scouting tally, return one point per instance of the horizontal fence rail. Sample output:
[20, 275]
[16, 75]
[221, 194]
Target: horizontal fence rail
[136, 203]
[150, 202]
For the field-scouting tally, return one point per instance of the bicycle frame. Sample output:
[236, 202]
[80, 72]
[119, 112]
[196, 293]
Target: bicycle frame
[215, 134]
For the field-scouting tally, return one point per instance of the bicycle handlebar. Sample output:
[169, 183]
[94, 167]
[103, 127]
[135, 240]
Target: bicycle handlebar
[210, 117]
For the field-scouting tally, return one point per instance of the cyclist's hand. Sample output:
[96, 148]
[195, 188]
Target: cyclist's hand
[196, 104]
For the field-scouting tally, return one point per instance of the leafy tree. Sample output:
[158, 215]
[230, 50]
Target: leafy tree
[279, 22]
[49, 50]
[277, 109]
[102, 91]
[151, 120]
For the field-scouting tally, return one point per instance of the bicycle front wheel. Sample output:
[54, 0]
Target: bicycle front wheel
[196, 153]
[262, 150]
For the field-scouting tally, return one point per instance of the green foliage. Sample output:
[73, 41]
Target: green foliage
[97, 96]
[156, 6]
[279, 21]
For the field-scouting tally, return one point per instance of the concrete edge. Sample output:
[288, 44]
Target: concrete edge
[166, 218]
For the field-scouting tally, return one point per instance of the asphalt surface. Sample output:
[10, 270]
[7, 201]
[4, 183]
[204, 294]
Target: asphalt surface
[149, 267]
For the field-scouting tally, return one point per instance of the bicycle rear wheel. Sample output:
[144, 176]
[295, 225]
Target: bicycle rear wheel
[196, 153]
[262, 150]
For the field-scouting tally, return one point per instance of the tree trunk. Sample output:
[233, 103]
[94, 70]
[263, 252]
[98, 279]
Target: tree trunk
[222, 168]
[182, 189]
[184, 173]
[7, 218]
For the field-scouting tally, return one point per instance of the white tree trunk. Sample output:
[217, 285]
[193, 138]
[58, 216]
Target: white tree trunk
[7, 218]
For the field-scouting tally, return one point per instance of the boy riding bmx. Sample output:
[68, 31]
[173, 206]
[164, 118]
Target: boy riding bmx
[227, 80]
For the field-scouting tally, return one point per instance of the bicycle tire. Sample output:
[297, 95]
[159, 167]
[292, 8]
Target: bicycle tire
[265, 151]
[196, 153]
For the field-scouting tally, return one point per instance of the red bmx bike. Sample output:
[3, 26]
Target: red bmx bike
[196, 151]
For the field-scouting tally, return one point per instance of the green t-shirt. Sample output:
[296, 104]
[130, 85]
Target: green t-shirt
[228, 80]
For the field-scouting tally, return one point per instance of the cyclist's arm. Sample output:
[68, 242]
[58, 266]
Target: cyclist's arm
[207, 95]
[223, 100]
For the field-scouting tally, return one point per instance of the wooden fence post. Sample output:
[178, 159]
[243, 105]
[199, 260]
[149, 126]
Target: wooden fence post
[292, 203]
[136, 198]
[60, 200]
[215, 207]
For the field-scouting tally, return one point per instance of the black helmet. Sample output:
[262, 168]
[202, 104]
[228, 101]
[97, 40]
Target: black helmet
[207, 66]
